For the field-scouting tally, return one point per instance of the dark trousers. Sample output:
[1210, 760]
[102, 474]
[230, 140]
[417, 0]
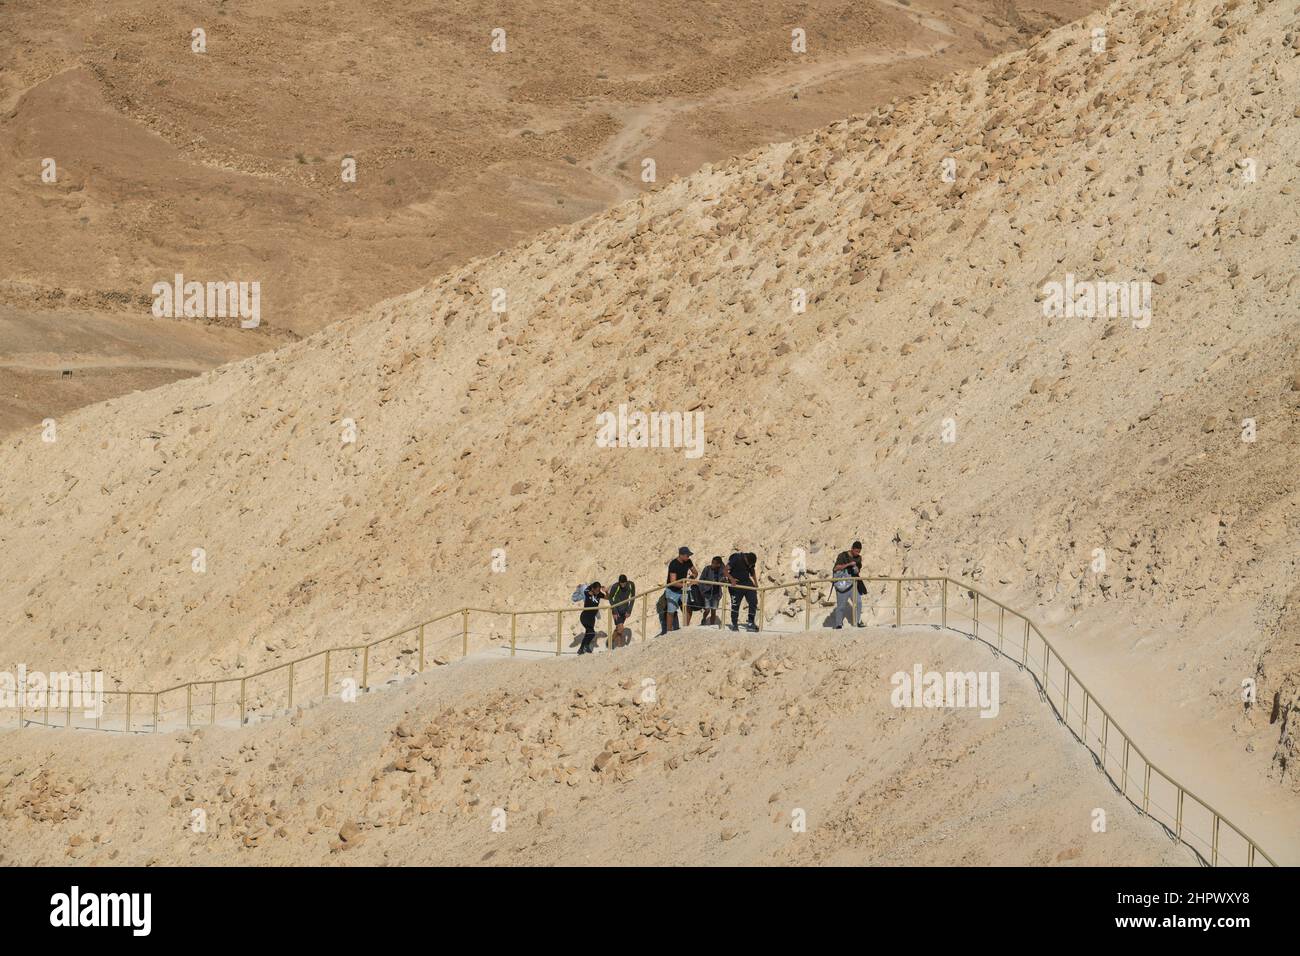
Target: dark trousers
[738, 595]
[588, 619]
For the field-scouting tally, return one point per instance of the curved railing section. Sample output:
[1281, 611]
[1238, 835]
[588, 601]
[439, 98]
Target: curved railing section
[937, 601]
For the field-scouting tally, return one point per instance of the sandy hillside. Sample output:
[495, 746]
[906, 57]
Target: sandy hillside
[742, 737]
[475, 431]
[227, 165]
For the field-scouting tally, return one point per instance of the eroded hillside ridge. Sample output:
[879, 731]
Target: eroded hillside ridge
[132, 150]
[474, 430]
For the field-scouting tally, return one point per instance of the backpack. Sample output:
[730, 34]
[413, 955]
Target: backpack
[843, 580]
[695, 597]
[579, 594]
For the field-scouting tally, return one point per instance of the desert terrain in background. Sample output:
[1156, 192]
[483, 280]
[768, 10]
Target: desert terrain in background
[228, 165]
[369, 473]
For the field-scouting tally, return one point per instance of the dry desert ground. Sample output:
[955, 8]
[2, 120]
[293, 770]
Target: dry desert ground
[1006, 291]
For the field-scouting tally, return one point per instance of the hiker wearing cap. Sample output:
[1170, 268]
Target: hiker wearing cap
[590, 601]
[621, 597]
[679, 571]
[741, 573]
[848, 591]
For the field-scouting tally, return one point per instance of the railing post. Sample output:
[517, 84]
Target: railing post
[559, 627]
[898, 602]
[944, 603]
[213, 718]
[189, 706]
[421, 649]
[645, 617]
[609, 638]
[22, 699]
[128, 711]
[807, 607]
[1178, 820]
[464, 632]
[243, 700]
[155, 713]
[760, 604]
[68, 719]
[365, 667]
[1123, 787]
[514, 617]
[1146, 789]
[1024, 654]
[976, 620]
[1214, 846]
[1002, 616]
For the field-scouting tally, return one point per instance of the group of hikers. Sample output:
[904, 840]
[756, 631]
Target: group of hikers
[689, 590]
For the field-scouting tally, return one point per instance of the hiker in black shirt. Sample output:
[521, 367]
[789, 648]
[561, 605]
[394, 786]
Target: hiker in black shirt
[680, 570]
[590, 601]
[742, 570]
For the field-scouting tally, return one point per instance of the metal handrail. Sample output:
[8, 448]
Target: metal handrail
[1111, 732]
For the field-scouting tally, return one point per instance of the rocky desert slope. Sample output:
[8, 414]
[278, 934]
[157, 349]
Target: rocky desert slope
[227, 164]
[697, 749]
[475, 430]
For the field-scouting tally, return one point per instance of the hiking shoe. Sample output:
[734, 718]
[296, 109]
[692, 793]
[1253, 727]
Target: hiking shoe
[860, 624]
[732, 627]
[751, 626]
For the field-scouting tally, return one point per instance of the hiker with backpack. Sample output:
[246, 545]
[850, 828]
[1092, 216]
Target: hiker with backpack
[712, 592]
[742, 574]
[680, 570]
[848, 590]
[621, 597]
[590, 597]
